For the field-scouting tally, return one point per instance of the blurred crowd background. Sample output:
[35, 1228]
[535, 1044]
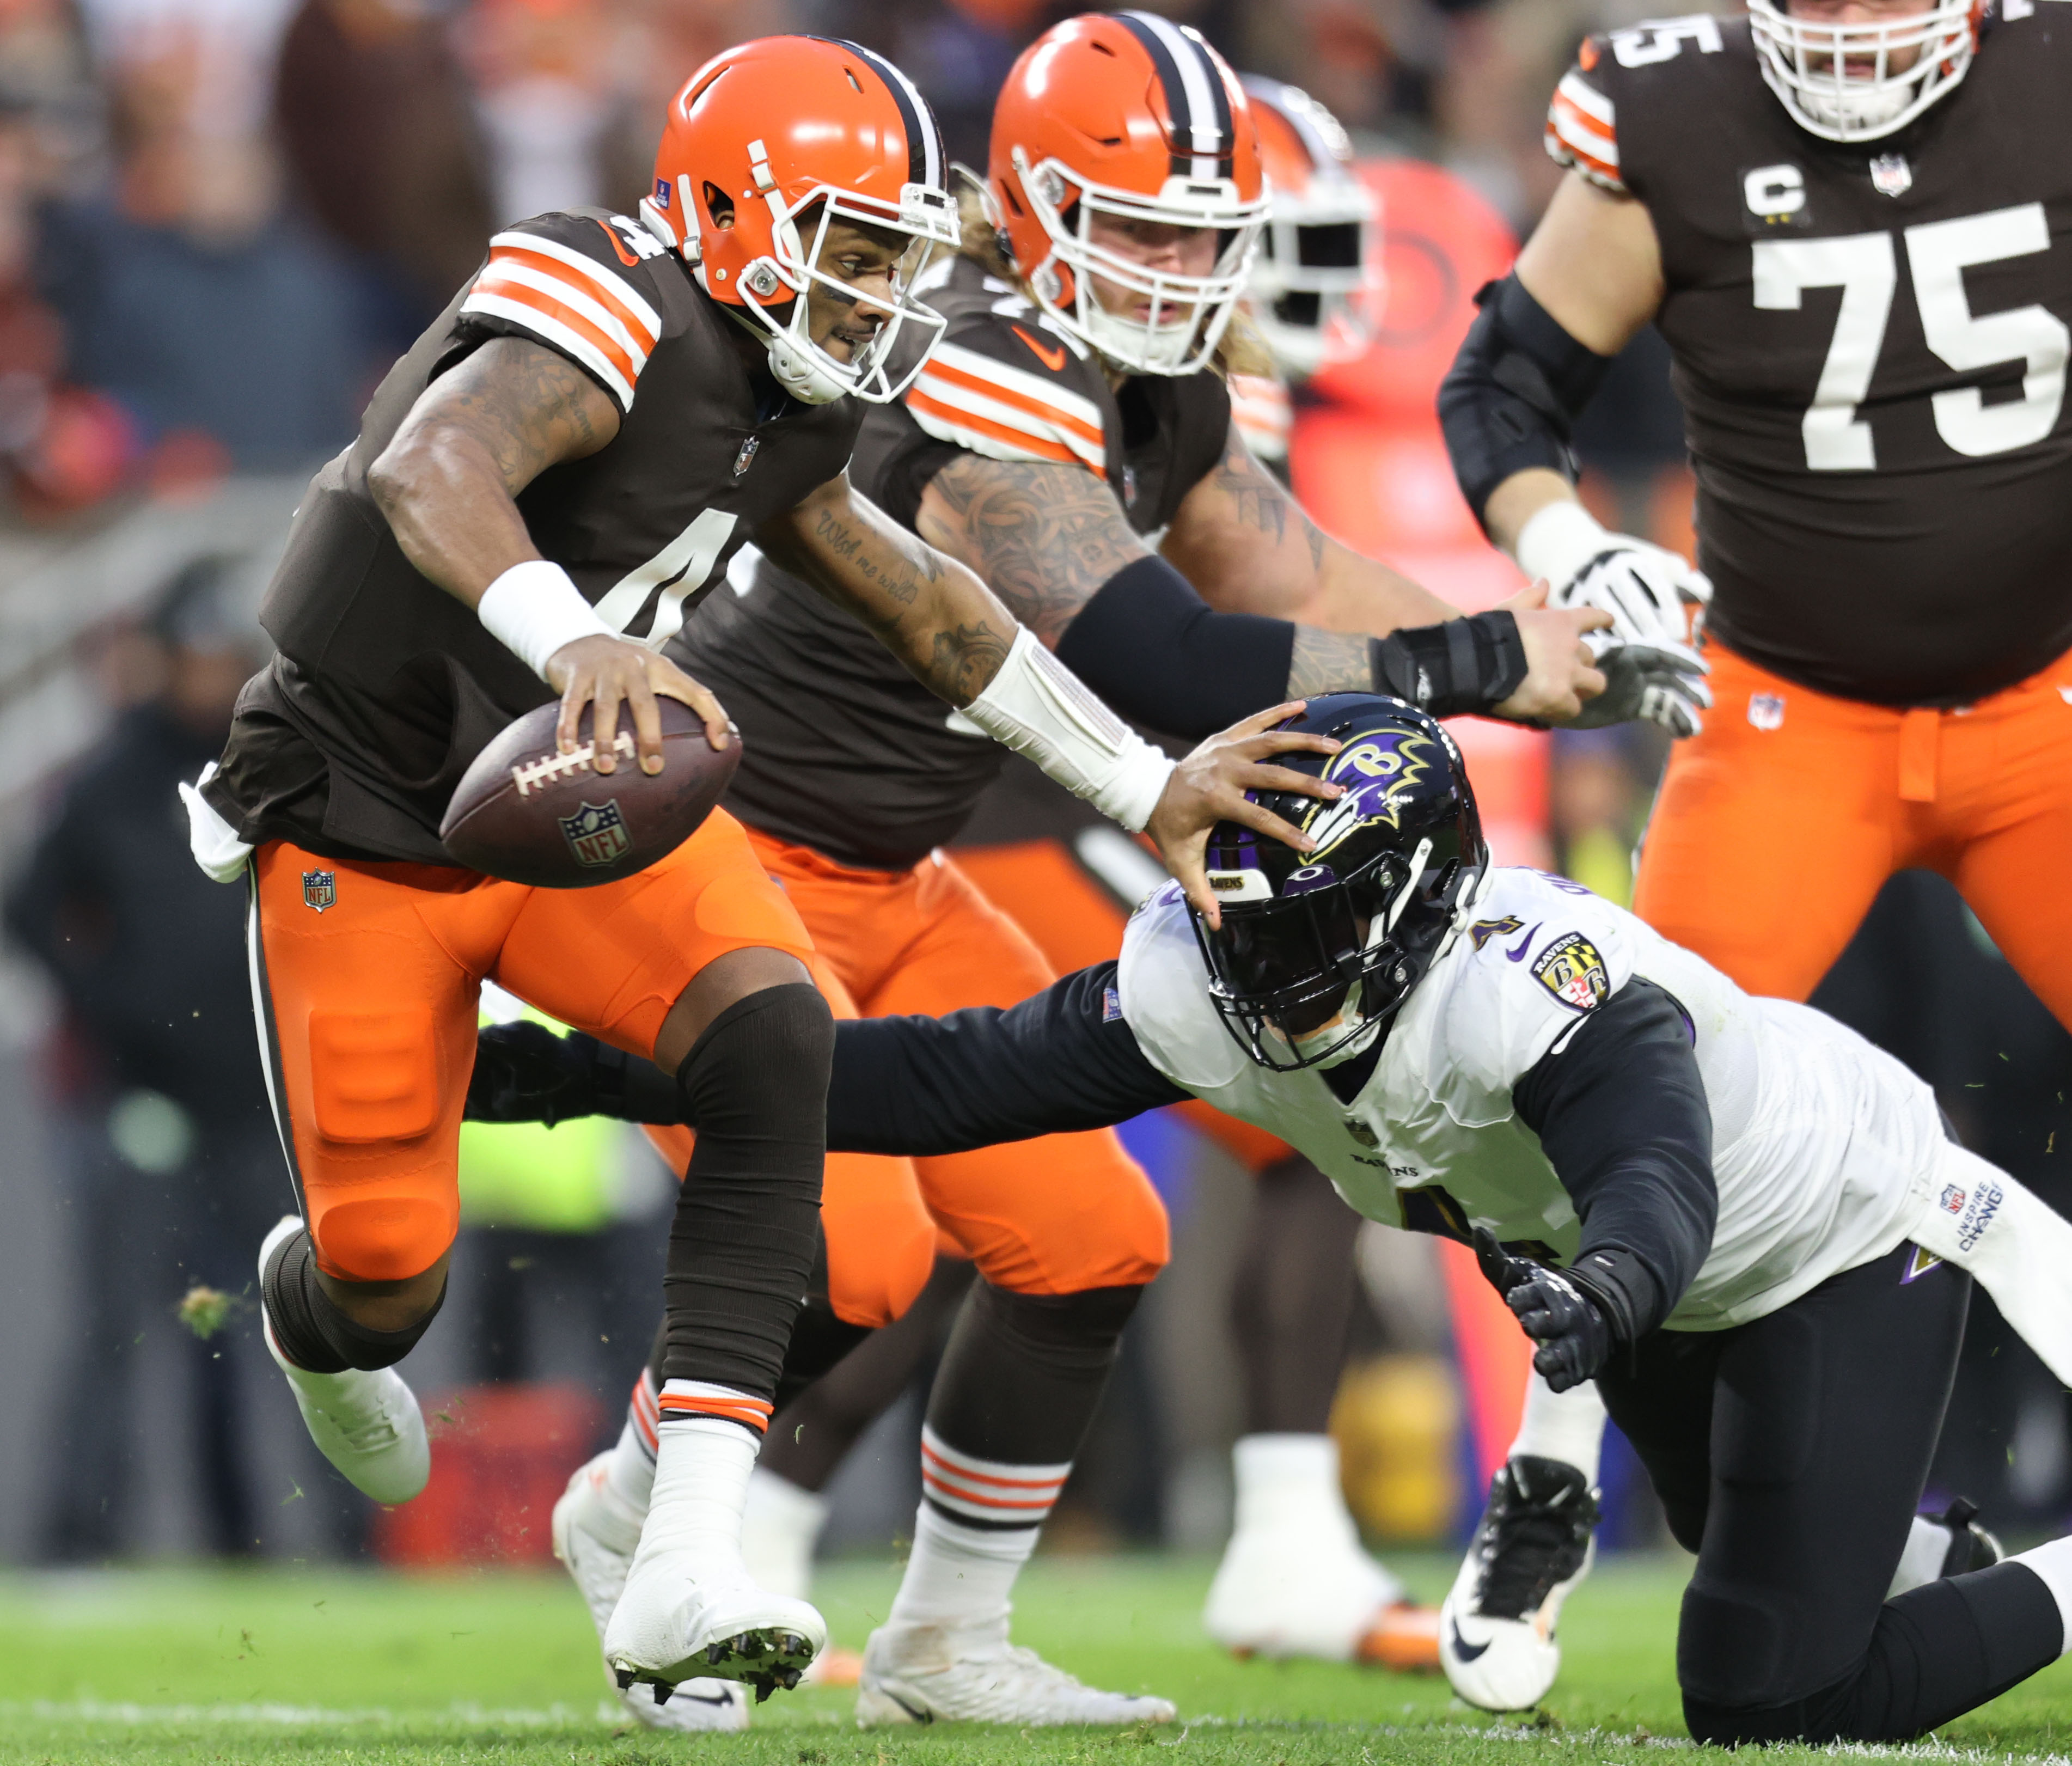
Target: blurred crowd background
[220, 220]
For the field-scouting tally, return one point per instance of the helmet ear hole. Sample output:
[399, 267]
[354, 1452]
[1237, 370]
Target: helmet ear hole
[718, 204]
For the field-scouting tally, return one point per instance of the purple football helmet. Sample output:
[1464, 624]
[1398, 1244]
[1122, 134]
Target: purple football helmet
[1318, 952]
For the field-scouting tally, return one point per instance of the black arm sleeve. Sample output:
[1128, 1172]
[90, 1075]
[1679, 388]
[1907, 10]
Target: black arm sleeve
[1513, 393]
[1156, 652]
[1620, 1114]
[1160, 655]
[1062, 1059]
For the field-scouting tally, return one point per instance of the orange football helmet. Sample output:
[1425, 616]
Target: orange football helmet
[785, 127]
[1316, 284]
[1129, 116]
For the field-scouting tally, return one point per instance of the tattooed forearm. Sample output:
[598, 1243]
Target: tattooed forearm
[1043, 538]
[1328, 662]
[965, 659]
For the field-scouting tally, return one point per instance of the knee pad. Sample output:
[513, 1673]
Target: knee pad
[755, 1059]
[312, 1332]
[1731, 1649]
[1070, 1332]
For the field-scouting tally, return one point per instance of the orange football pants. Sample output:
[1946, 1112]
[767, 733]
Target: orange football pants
[366, 979]
[1777, 825]
[1056, 1215]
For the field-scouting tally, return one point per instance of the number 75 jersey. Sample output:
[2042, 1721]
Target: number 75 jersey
[1870, 344]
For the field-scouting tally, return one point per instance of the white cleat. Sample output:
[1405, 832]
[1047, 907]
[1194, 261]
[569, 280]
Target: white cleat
[917, 1674]
[1294, 1580]
[367, 1424]
[1497, 1635]
[595, 1535]
[680, 1619]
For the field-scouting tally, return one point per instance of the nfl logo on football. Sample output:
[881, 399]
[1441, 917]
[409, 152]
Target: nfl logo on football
[596, 833]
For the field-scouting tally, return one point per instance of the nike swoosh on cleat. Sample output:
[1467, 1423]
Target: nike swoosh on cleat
[1053, 358]
[919, 1716]
[1463, 1648]
[1516, 953]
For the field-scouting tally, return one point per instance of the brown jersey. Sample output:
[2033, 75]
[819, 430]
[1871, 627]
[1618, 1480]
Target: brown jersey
[1870, 344]
[386, 687]
[845, 751]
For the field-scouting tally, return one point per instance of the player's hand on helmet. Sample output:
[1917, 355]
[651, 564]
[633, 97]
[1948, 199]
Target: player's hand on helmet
[1561, 676]
[1657, 684]
[1210, 785]
[610, 671]
[525, 1073]
[1558, 1309]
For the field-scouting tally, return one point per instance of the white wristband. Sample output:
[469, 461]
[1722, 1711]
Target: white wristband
[1558, 541]
[534, 609]
[1039, 707]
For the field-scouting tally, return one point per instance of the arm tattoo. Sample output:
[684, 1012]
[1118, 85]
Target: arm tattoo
[528, 405]
[1044, 537]
[1256, 500]
[1328, 662]
[966, 658]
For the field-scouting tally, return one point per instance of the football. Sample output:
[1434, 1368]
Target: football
[528, 814]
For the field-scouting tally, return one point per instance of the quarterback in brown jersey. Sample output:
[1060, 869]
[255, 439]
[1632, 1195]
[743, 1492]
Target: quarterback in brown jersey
[1070, 439]
[1848, 218]
[544, 485]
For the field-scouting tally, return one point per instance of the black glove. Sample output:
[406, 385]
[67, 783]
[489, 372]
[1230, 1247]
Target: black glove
[525, 1073]
[1562, 1310]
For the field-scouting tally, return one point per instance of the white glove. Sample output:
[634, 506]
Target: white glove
[1645, 588]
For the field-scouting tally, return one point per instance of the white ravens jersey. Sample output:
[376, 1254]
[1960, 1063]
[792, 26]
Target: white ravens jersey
[1824, 1147]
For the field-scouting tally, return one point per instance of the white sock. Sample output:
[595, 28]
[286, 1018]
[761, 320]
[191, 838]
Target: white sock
[2052, 1562]
[701, 1470]
[780, 1528]
[1283, 1479]
[1290, 1484]
[959, 1575]
[1927, 1545]
[1566, 1426]
[630, 1470]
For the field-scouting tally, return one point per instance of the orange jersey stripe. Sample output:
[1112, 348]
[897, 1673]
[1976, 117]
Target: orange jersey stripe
[526, 295]
[1037, 446]
[598, 288]
[1050, 414]
[1581, 124]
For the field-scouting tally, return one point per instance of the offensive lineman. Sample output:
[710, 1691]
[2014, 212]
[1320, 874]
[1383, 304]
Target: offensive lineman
[1730, 1211]
[1849, 219]
[631, 399]
[1071, 415]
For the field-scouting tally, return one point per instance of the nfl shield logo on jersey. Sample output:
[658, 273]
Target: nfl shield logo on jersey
[1766, 710]
[319, 888]
[1891, 176]
[596, 833]
[1953, 1199]
[742, 459]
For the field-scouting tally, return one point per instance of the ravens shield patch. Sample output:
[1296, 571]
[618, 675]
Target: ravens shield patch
[1572, 970]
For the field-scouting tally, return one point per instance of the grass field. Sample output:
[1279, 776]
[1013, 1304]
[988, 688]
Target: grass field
[330, 1666]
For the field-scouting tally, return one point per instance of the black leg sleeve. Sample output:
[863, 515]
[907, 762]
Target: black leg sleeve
[814, 1432]
[1023, 1373]
[312, 1332]
[1292, 1300]
[1937, 1652]
[741, 1252]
